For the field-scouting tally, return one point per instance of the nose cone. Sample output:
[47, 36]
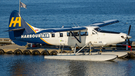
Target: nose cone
[129, 37]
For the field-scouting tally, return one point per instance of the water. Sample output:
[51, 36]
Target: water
[22, 65]
[56, 13]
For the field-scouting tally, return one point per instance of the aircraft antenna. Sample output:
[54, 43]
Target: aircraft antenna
[77, 24]
[74, 24]
[62, 26]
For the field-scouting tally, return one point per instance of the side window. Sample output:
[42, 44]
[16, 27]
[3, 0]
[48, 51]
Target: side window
[53, 35]
[61, 34]
[68, 33]
[76, 33]
[84, 33]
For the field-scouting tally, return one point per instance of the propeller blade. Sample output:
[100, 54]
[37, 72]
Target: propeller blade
[129, 43]
[129, 29]
[127, 39]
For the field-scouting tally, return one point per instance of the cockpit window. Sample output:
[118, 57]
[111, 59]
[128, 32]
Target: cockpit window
[97, 29]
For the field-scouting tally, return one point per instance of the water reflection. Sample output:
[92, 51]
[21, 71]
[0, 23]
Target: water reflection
[18, 68]
[87, 68]
[38, 66]
[76, 68]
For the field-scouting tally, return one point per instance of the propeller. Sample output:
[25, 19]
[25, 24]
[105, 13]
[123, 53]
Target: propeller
[129, 43]
[127, 37]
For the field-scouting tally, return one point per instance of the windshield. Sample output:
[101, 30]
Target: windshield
[97, 29]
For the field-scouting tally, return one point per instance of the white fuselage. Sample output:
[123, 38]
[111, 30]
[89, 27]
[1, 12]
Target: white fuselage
[92, 34]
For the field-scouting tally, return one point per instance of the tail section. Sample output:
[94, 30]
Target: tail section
[18, 27]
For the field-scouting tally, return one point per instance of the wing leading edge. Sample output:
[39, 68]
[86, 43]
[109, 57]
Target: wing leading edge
[53, 30]
[105, 23]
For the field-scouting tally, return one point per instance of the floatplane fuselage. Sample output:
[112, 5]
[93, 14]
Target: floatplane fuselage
[91, 34]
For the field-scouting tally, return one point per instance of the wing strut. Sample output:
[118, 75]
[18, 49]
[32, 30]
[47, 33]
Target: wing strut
[79, 40]
[79, 35]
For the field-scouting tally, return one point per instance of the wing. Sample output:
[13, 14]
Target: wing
[101, 24]
[63, 29]
[105, 23]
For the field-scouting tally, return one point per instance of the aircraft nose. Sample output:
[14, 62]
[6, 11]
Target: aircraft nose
[126, 36]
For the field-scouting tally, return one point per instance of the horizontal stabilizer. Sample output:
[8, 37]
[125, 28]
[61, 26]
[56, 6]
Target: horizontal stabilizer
[19, 29]
[105, 23]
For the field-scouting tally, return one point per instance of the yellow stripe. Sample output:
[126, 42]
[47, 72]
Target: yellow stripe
[36, 32]
[31, 27]
[45, 41]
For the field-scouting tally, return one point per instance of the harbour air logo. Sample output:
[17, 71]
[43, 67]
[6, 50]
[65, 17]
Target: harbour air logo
[42, 35]
[15, 21]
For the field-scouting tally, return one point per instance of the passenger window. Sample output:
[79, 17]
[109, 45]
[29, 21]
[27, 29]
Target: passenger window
[76, 34]
[61, 34]
[68, 33]
[84, 33]
[53, 35]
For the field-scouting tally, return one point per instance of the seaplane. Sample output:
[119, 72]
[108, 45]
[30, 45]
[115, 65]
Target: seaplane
[21, 33]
